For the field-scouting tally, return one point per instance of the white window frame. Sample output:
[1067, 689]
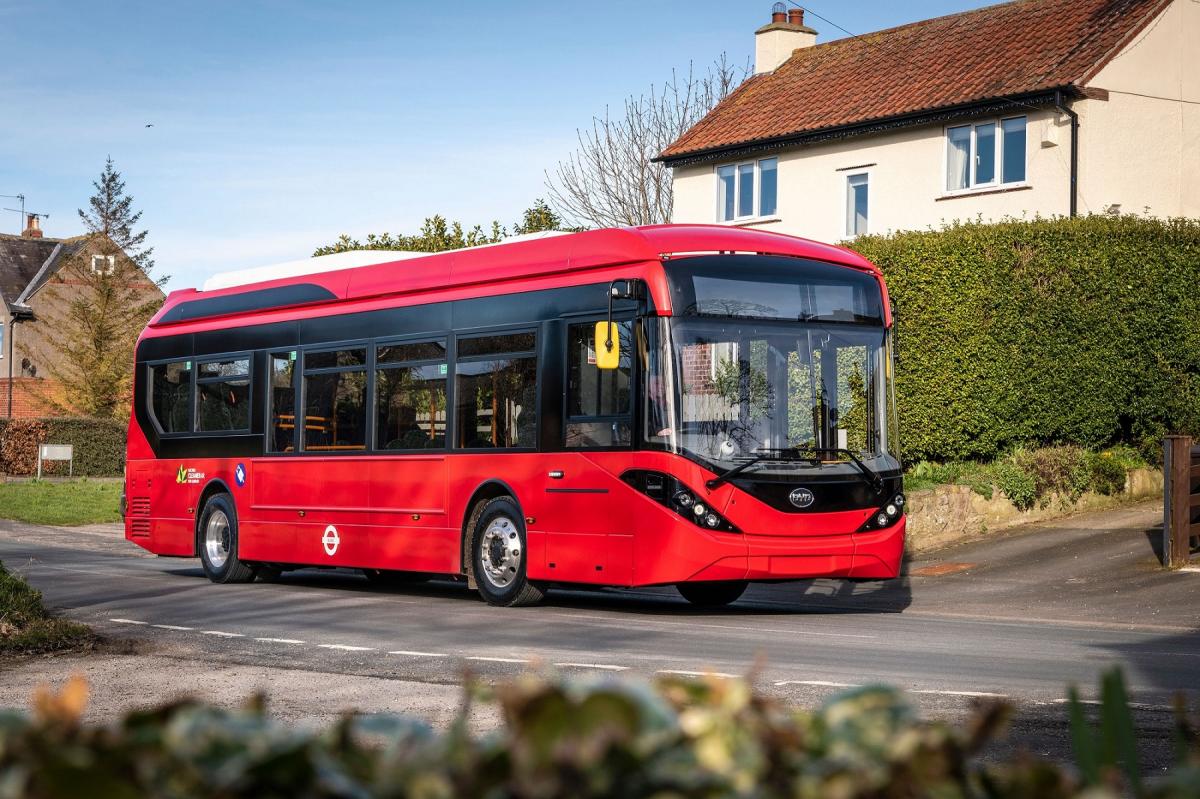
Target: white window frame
[112, 264]
[756, 211]
[997, 181]
[849, 226]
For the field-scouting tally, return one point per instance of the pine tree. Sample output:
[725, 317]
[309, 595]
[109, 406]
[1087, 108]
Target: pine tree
[99, 301]
[112, 215]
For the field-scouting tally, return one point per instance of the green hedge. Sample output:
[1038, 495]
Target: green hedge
[1078, 331]
[564, 740]
[99, 445]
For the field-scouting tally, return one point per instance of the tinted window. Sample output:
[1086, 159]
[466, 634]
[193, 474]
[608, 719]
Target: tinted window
[496, 345]
[223, 395]
[411, 407]
[282, 435]
[230, 368]
[772, 287]
[335, 408]
[419, 351]
[496, 402]
[592, 391]
[335, 359]
[171, 393]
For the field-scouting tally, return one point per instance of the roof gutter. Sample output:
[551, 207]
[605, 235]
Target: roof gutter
[1074, 117]
[879, 125]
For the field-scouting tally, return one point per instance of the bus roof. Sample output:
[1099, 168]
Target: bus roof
[364, 274]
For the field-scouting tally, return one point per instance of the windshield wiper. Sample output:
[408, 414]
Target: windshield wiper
[795, 454]
[870, 475]
[759, 455]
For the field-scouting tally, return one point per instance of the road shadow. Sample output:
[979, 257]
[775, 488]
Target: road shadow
[1166, 664]
[796, 597]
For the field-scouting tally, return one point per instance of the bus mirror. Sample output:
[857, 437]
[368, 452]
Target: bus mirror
[608, 345]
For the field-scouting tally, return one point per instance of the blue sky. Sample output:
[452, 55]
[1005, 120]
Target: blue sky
[279, 125]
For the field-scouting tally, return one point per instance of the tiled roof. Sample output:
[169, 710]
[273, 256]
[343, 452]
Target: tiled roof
[22, 258]
[1001, 51]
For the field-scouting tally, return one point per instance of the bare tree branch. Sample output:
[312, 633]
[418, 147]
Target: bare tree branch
[610, 179]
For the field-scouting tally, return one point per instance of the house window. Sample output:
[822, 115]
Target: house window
[747, 190]
[104, 264]
[856, 205]
[990, 153]
[1, 339]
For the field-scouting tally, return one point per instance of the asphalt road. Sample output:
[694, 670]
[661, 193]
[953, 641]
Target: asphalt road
[1021, 617]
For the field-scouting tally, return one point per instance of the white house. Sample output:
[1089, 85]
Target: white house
[1050, 107]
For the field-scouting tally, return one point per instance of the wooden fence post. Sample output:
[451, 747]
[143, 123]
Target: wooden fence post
[1177, 500]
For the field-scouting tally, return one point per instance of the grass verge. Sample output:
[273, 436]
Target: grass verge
[25, 625]
[67, 503]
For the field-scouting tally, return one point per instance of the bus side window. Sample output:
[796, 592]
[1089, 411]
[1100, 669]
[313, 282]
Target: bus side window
[281, 432]
[599, 401]
[171, 393]
[496, 388]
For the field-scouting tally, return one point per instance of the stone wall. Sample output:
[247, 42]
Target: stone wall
[952, 514]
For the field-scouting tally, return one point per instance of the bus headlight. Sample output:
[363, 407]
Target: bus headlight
[884, 516]
[678, 497]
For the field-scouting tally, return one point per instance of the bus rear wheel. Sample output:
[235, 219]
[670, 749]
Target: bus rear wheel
[498, 555]
[218, 542]
[712, 595]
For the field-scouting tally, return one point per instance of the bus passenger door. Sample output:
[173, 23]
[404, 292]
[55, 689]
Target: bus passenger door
[587, 523]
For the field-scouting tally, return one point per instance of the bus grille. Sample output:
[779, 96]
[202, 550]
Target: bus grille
[139, 506]
[139, 526]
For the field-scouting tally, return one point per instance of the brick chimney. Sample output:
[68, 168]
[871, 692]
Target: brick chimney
[775, 41]
[33, 227]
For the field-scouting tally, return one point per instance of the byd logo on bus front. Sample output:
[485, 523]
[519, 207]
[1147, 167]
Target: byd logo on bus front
[801, 497]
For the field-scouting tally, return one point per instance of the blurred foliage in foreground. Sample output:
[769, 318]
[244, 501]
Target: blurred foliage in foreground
[714, 738]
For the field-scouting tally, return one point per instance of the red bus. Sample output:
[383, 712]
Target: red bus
[465, 414]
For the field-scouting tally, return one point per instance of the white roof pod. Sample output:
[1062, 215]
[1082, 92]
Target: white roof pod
[337, 262]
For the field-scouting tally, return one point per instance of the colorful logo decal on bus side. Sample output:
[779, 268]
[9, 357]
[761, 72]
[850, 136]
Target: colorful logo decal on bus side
[239, 475]
[801, 497]
[188, 476]
[331, 540]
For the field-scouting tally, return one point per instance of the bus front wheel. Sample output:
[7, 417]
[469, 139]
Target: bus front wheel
[712, 595]
[218, 542]
[498, 555]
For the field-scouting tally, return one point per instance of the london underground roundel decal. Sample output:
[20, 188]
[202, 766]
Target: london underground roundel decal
[331, 540]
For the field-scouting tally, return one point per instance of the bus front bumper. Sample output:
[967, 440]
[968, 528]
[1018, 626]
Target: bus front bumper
[871, 555]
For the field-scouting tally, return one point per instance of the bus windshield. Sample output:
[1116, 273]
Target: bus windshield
[722, 389]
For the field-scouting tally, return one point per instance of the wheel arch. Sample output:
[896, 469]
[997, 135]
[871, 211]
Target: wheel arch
[488, 489]
[214, 486]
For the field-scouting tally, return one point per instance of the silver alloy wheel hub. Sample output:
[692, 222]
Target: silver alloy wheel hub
[216, 539]
[500, 552]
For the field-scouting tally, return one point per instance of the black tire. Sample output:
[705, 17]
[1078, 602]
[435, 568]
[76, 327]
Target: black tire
[498, 555]
[392, 579]
[712, 595]
[217, 539]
